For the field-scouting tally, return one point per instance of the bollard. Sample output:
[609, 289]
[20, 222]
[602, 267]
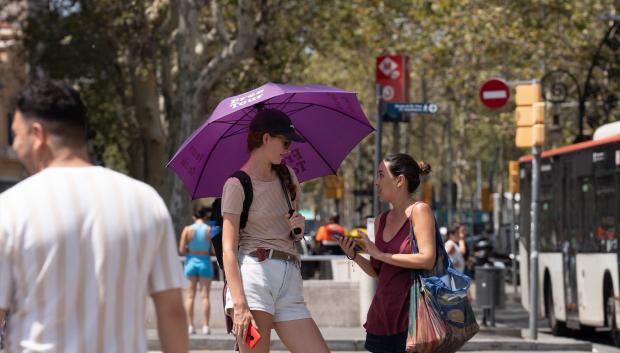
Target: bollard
[490, 291]
[368, 285]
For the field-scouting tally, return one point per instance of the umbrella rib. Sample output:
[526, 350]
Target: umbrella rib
[329, 108]
[242, 129]
[286, 101]
[317, 152]
[233, 134]
[224, 122]
[297, 110]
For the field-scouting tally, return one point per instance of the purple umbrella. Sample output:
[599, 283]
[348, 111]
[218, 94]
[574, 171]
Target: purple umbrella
[330, 119]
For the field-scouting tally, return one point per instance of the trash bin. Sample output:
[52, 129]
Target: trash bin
[490, 287]
[490, 291]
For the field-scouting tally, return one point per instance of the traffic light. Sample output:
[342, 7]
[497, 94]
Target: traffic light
[513, 177]
[427, 192]
[334, 187]
[486, 199]
[529, 116]
[528, 94]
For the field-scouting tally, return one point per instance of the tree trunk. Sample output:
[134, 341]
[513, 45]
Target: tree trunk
[196, 78]
[153, 139]
[181, 125]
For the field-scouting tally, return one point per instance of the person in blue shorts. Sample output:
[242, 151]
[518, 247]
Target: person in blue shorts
[196, 245]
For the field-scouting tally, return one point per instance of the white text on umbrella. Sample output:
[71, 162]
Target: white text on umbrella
[243, 100]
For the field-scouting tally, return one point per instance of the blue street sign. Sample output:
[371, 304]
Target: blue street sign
[419, 108]
[394, 117]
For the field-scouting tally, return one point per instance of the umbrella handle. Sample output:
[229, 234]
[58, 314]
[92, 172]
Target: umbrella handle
[297, 230]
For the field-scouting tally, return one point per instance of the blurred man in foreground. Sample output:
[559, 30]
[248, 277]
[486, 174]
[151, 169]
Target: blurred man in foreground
[81, 247]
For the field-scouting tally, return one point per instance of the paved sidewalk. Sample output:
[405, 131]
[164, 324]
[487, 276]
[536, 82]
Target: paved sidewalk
[509, 334]
[352, 339]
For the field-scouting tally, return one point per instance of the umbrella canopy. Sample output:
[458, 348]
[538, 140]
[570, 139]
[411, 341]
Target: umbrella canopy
[330, 119]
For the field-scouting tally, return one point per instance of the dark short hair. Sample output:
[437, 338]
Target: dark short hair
[201, 212]
[56, 103]
[404, 164]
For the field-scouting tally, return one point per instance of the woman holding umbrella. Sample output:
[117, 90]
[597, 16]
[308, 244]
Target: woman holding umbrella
[260, 260]
[391, 258]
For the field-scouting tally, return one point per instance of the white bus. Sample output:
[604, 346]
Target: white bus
[579, 230]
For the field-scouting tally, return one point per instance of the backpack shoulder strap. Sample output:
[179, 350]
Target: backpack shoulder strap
[246, 183]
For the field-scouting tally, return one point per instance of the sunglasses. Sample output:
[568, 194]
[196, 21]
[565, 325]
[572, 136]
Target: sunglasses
[286, 142]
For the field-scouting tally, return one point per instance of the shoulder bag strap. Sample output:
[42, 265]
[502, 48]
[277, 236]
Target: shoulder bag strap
[440, 251]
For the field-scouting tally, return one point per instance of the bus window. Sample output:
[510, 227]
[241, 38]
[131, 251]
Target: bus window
[573, 213]
[587, 214]
[605, 214]
[548, 237]
[524, 204]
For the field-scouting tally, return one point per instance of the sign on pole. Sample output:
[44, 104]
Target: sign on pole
[392, 74]
[392, 85]
[399, 112]
[419, 108]
[494, 93]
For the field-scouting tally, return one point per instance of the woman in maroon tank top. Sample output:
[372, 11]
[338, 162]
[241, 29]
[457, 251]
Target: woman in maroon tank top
[391, 259]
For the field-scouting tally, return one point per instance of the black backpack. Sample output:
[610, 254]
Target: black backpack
[216, 214]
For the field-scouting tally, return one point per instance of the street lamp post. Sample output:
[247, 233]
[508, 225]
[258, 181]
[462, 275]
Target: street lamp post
[534, 235]
[556, 90]
[378, 151]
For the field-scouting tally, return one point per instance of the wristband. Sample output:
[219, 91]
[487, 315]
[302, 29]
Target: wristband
[351, 258]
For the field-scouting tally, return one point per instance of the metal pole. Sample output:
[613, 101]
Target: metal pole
[396, 134]
[478, 184]
[424, 99]
[337, 206]
[378, 152]
[449, 194]
[407, 137]
[534, 243]
[513, 243]
[368, 285]
[358, 181]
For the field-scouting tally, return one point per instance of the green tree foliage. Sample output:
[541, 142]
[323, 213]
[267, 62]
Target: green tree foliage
[112, 49]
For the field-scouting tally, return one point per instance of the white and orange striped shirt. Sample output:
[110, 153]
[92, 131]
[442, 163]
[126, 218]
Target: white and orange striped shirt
[81, 249]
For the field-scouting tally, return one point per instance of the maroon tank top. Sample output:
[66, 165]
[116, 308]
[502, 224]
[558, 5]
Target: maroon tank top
[389, 311]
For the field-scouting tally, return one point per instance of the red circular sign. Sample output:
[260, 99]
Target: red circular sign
[494, 93]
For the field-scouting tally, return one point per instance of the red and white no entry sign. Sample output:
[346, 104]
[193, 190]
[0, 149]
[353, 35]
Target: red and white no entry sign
[494, 93]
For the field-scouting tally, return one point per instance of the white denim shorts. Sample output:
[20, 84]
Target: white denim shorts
[273, 286]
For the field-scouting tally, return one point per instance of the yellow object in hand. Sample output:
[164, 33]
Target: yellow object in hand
[355, 235]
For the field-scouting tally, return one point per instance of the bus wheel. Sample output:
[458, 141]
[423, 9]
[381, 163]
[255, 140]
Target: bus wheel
[611, 317]
[558, 328]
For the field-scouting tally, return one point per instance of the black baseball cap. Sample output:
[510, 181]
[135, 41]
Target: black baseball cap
[275, 122]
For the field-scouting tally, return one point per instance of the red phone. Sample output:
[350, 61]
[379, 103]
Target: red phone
[252, 337]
